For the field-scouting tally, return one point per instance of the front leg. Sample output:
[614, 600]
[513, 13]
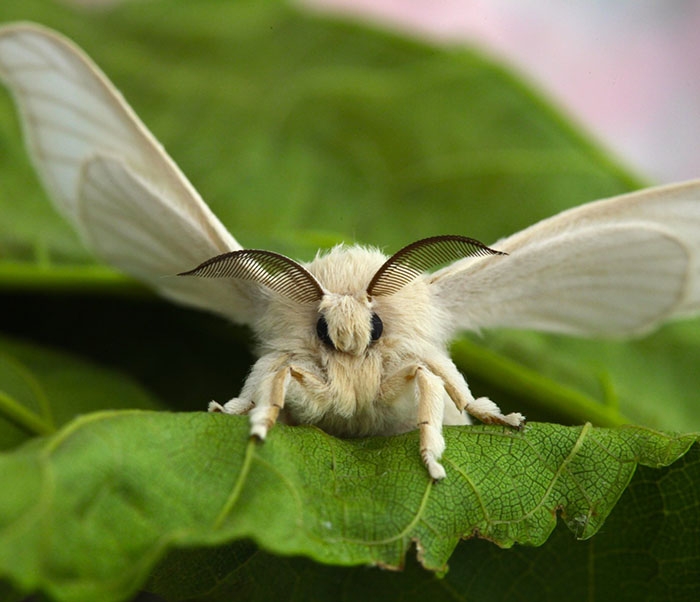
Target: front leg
[432, 382]
[481, 408]
[431, 406]
[262, 397]
[265, 390]
[430, 400]
[270, 402]
[271, 393]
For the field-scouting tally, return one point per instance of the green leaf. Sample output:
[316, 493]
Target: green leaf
[647, 550]
[41, 389]
[126, 485]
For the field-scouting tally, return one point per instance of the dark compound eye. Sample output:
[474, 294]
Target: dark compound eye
[377, 327]
[322, 332]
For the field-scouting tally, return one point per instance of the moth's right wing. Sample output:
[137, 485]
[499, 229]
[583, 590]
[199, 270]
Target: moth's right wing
[617, 267]
[110, 177]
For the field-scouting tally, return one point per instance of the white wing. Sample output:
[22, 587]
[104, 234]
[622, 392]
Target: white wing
[615, 267]
[108, 174]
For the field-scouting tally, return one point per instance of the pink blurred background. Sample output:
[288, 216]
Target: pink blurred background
[627, 71]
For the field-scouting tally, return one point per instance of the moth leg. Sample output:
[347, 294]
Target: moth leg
[270, 402]
[393, 385]
[481, 408]
[245, 402]
[264, 380]
[309, 381]
[431, 406]
[237, 405]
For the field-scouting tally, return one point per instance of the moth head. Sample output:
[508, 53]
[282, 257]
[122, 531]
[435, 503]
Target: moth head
[347, 323]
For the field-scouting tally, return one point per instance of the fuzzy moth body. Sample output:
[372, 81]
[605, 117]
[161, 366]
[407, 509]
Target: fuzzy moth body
[354, 341]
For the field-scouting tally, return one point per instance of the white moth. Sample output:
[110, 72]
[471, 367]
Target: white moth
[353, 341]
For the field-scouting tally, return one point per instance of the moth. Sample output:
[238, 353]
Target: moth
[353, 341]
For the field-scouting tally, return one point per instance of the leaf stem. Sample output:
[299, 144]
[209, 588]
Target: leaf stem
[515, 378]
[240, 482]
[54, 278]
[22, 417]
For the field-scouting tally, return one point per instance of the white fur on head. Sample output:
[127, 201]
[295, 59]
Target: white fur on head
[349, 320]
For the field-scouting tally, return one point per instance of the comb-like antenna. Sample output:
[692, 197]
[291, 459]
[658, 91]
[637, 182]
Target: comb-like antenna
[277, 272]
[421, 256]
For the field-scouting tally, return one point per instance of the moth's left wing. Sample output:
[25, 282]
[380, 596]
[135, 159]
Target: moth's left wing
[133, 226]
[615, 267]
[110, 177]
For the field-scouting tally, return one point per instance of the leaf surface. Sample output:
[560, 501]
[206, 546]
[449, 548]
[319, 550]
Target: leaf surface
[126, 485]
[641, 554]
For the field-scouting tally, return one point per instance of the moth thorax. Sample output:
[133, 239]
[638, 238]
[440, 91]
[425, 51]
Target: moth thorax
[349, 321]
